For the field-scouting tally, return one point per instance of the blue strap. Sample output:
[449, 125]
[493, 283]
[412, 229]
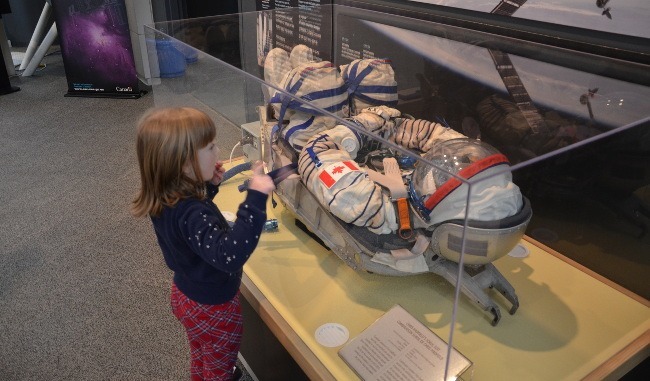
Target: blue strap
[277, 175]
[311, 110]
[277, 98]
[301, 126]
[327, 93]
[280, 98]
[418, 203]
[355, 80]
[374, 101]
[312, 154]
[289, 103]
[283, 172]
[286, 101]
[377, 89]
[236, 170]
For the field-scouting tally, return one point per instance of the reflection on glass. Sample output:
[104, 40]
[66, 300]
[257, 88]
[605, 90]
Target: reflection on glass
[409, 149]
[614, 16]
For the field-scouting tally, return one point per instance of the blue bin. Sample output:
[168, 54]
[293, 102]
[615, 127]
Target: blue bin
[191, 55]
[170, 60]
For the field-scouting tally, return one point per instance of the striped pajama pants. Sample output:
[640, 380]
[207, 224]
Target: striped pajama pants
[214, 333]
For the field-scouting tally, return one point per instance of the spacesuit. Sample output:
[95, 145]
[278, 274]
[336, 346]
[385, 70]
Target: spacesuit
[363, 222]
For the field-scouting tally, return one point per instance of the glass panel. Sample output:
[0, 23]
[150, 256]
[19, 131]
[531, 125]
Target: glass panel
[408, 147]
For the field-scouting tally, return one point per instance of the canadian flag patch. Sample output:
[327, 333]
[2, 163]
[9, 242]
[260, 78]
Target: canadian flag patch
[334, 171]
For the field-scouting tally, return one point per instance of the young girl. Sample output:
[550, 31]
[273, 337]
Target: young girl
[180, 173]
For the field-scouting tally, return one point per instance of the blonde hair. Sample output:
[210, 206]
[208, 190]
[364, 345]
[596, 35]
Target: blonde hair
[167, 140]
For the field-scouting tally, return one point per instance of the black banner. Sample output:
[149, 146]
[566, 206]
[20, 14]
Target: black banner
[96, 48]
[4, 7]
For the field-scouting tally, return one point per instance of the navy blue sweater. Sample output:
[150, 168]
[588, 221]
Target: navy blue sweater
[205, 254]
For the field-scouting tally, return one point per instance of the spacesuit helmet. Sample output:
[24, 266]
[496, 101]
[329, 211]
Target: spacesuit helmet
[482, 218]
[452, 158]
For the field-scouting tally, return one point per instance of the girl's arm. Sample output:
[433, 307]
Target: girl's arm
[225, 249]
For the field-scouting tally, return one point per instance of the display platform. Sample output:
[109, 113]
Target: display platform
[581, 325]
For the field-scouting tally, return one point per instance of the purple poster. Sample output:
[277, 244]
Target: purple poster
[96, 48]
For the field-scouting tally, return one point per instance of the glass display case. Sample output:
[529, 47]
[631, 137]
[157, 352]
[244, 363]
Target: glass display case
[495, 188]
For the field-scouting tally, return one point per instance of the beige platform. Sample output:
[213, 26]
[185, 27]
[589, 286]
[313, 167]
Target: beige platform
[571, 325]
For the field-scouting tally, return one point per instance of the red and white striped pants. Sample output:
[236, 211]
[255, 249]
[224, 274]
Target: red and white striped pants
[214, 333]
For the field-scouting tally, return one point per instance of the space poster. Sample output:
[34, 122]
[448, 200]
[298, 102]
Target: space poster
[96, 48]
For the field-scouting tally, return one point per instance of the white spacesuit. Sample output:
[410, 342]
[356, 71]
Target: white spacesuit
[368, 225]
[318, 84]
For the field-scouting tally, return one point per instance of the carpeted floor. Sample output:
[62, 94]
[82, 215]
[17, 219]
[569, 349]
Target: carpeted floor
[84, 292]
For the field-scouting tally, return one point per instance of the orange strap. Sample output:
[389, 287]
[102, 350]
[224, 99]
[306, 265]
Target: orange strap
[405, 230]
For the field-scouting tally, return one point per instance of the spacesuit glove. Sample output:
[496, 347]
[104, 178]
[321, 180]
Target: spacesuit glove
[376, 119]
[369, 121]
[383, 111]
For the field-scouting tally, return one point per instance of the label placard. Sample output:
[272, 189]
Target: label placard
[399, 347]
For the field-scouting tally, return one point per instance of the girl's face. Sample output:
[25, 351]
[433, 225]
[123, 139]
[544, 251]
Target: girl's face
[207, 158]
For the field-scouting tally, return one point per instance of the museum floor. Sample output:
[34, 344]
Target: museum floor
[84, 293]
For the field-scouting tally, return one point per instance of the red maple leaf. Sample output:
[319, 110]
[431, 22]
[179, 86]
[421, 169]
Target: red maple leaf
[338, 169]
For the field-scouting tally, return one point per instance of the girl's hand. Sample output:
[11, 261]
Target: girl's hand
[260, 181]
[217, 175]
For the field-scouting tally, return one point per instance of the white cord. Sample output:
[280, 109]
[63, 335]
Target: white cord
[233, 151]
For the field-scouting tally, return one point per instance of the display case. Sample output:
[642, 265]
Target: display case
[495, 188]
